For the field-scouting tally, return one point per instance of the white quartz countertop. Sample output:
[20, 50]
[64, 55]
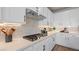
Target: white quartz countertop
[76, 34]
[19, 43]
[14, 45]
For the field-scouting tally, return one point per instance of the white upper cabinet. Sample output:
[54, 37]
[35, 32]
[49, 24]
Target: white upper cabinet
[48, 14]
[13, 14]
[50, 18]
[16, 14]
[0, 13]
[62, 19]
[67, 18]
[32, 8]
[74, 17]
[41, 10]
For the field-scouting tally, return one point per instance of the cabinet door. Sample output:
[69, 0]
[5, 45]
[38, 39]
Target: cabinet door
[62, 19]
[47, 44]
[67, 40]
[74, 42]
[74, 17]
[14, 14]
[51, 19]
[45, 11]
[32, 8]
[35, 47]
[61, 39]
[38, 46]
[58, 19]
[0, 13]
[52, 43]
[41, 10]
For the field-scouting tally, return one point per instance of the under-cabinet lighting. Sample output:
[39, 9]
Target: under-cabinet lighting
[45, 26]
[10, 24]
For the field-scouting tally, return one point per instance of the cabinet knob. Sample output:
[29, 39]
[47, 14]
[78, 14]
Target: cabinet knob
[68, 38]
[53, 39]
[43, 47]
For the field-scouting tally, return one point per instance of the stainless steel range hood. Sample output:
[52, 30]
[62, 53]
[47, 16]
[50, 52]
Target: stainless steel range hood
[30, 14]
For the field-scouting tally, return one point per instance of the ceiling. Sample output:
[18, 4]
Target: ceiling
[58, 9]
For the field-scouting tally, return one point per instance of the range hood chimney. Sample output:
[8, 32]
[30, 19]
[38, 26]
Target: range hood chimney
[30, 14]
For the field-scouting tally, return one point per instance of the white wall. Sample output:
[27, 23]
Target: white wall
[67, 18]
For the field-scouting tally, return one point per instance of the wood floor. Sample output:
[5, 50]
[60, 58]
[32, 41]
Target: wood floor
[62, 48]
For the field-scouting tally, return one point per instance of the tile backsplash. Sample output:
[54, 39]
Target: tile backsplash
[31, 27]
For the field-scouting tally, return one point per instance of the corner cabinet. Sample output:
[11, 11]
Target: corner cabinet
[13, 14]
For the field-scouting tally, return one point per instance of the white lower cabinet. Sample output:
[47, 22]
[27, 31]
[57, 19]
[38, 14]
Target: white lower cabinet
[74, 42]
[64, 39]
[67, 40]
[52, 43]
[38, 46]
[45, 45]
[61, 39]
[35, 47]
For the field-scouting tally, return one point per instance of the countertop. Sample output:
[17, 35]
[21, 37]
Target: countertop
[76, 34]
[20, 43]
